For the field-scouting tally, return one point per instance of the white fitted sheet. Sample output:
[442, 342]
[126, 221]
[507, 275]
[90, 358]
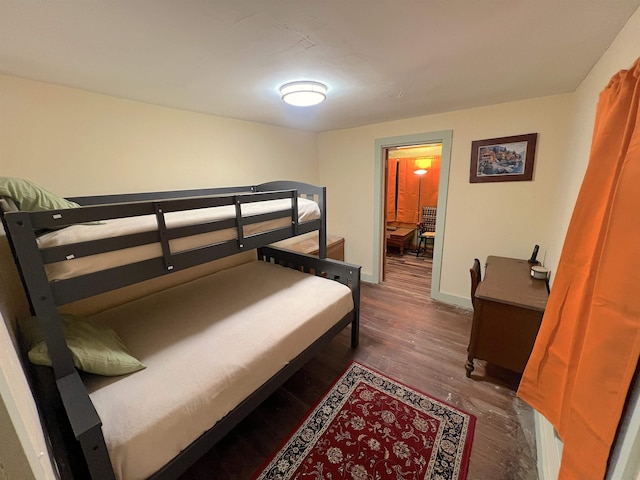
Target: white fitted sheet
[307, 210]
[207, 344]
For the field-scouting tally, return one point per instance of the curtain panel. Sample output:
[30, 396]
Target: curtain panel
[587, 349]
[402, 202]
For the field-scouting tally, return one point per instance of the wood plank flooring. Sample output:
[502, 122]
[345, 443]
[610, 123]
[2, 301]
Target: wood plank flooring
[413, 339]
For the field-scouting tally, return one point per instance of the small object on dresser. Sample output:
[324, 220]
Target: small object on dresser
[540, 273]
[534, 255]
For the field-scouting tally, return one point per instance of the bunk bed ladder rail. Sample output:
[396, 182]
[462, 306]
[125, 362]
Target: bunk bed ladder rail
[82, 416]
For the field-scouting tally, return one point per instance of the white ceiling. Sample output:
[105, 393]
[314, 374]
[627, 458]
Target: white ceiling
[382, 59]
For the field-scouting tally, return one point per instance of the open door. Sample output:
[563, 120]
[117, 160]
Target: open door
[411, 182]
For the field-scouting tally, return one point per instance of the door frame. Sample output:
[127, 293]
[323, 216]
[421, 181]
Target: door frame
[381, 145]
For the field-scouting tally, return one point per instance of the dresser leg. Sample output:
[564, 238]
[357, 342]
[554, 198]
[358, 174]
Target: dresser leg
[469, 366]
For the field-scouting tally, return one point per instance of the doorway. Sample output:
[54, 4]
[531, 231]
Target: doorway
[382, 146]
[412, 174]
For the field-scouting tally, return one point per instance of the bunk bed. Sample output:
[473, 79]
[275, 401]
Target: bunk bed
[211, 345]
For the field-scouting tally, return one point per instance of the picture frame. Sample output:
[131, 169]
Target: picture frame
[504, 159]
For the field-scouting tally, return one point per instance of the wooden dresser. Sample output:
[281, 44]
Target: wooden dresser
[335, 247]
[508, 310]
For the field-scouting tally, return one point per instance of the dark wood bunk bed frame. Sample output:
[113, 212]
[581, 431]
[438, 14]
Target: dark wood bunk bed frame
[72, 420]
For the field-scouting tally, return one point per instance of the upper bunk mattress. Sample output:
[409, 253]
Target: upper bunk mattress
[308, 210]
[207, 345]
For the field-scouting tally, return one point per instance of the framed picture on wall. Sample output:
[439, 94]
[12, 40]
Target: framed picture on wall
[506, 159]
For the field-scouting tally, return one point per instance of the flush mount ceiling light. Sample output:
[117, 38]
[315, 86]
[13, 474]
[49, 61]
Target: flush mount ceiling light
[303, 93]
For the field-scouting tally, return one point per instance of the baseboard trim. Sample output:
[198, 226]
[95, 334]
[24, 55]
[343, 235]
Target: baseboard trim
[549, 448]
[464, 303]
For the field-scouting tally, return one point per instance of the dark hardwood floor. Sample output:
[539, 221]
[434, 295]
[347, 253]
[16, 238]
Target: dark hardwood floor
[417, 341]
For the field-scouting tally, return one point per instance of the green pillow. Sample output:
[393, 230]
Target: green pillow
[94, 348]
[29, 197]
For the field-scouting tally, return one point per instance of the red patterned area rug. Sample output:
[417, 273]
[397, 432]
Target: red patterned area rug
[370, 427]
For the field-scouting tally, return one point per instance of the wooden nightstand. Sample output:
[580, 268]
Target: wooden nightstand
[335, 247]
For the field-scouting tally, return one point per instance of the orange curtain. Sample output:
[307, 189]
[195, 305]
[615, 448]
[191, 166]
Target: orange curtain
[587, 350]
[409, 186]
[431, 183]
[407, 192]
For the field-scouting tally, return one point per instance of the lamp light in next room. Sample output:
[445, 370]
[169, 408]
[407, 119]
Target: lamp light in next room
[423, 164]
[303, 93]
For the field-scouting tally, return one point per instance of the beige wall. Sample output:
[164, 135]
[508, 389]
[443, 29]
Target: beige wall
[76, 143]
[481, 219]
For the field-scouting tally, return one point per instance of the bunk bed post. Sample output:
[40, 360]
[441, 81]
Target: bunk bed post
[82, 416]
[353, 282]
[322, 232]
[355, 293]
[41, 296]
[311, 190]
[294, 213]
[86, 426]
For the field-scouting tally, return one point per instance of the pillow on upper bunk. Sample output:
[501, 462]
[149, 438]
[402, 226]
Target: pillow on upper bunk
[30, 197]
[94, 348]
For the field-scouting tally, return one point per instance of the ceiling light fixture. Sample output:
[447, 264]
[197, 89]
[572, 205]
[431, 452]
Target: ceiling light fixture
[303, 93]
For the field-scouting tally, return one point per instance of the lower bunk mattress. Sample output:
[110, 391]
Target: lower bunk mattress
[207, 345]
